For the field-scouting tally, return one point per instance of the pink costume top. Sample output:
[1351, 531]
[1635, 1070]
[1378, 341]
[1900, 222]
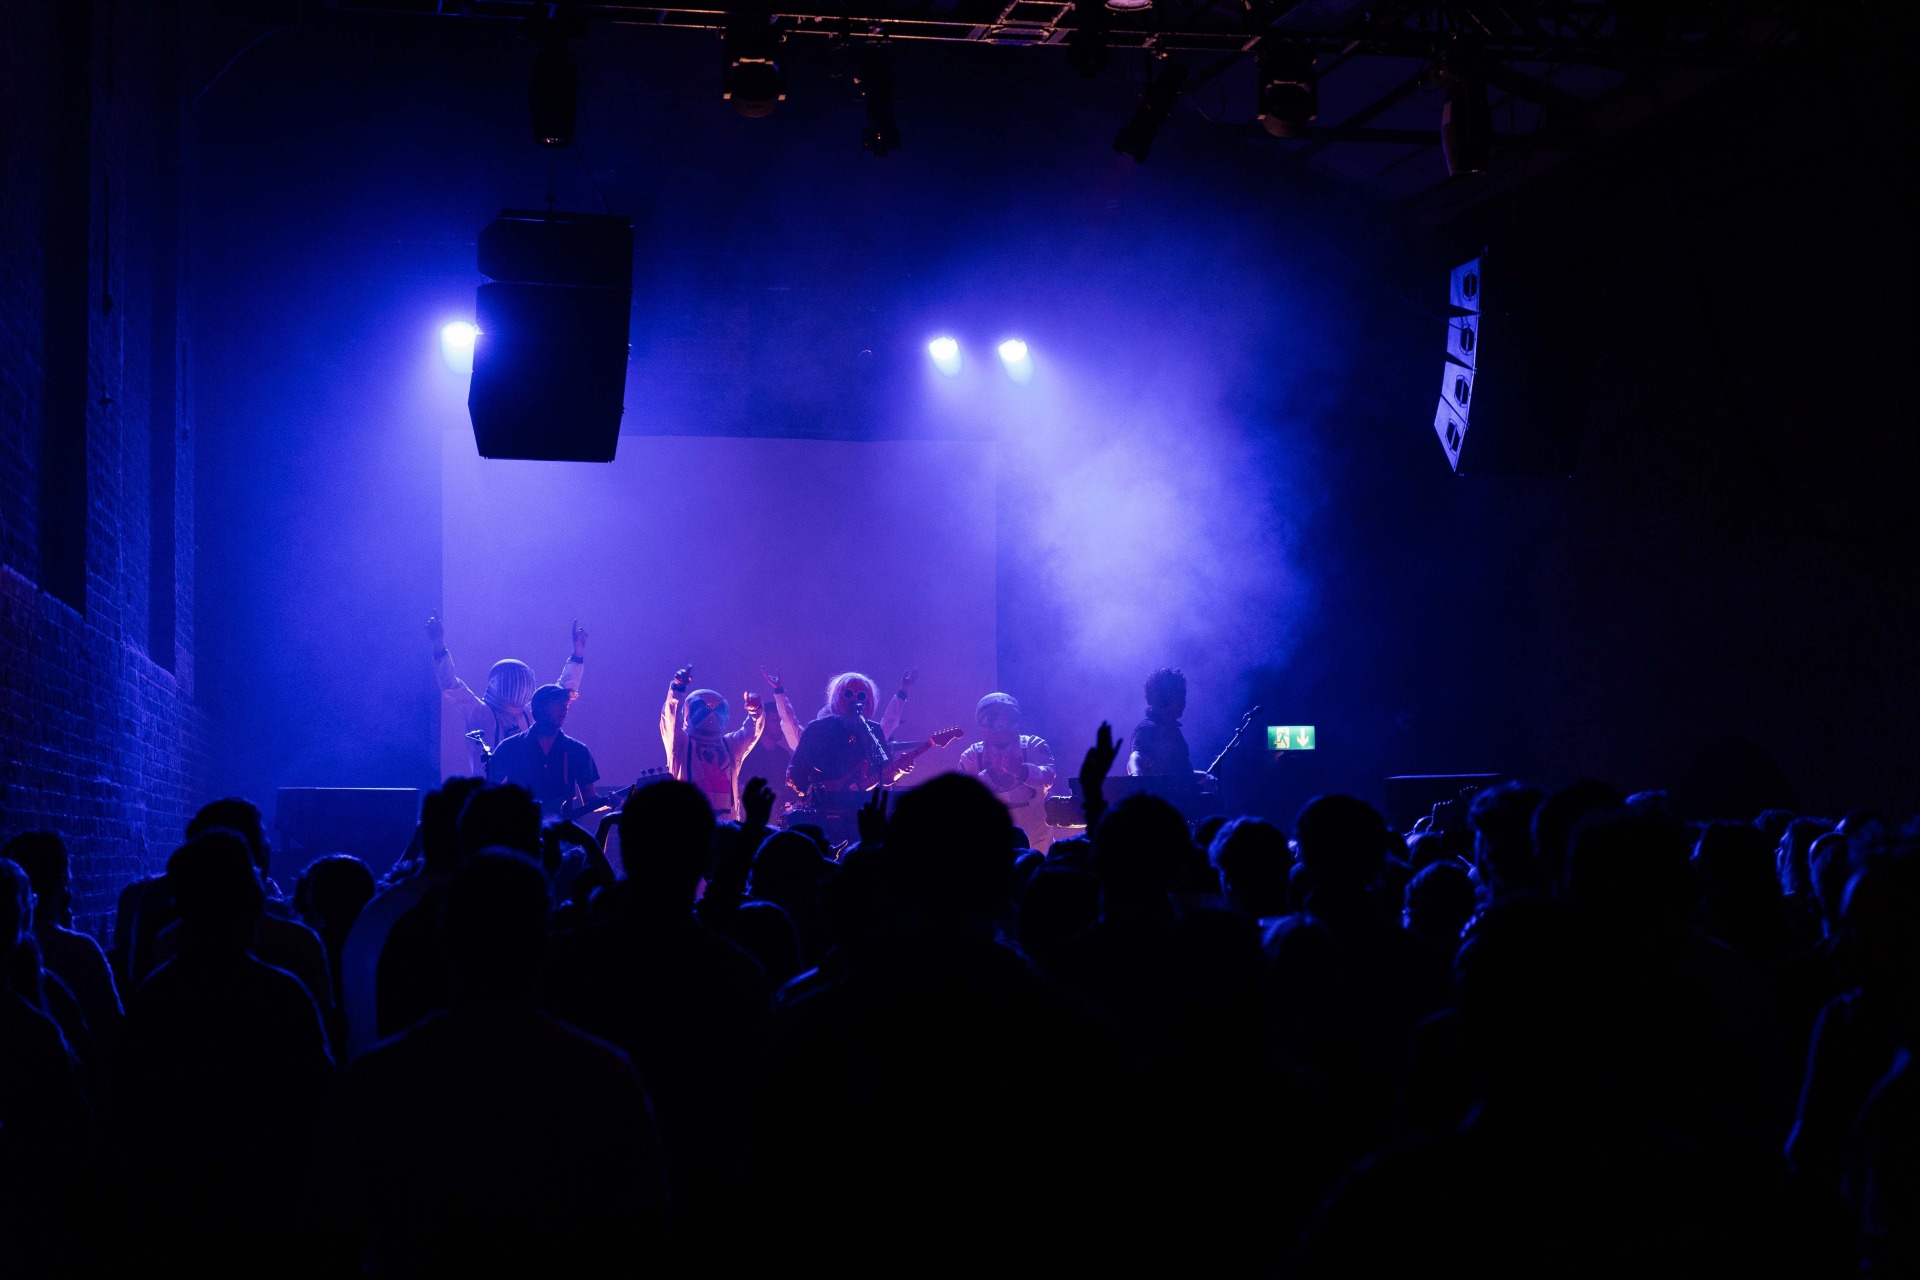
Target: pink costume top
[497, 723]
[1026, 800]
[709, 763]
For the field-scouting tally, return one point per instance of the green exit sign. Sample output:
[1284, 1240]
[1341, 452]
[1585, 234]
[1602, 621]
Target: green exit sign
[1289, 737]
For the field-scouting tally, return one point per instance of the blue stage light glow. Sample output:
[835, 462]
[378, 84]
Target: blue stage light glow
[946, 355]
[456, 345]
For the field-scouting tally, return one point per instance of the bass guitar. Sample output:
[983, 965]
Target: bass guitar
[575, 809]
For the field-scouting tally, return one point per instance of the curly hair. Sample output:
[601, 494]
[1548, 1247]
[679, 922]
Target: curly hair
[1168, 684]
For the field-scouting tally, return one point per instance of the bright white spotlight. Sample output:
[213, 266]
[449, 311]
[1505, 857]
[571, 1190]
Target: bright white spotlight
[1015, 360]
[456, 345]
[946, 355]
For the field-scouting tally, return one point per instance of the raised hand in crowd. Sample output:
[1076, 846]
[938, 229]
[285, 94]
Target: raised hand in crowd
[756, 801]
[1093, 772]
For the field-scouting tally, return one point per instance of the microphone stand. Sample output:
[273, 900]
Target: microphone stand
[880, 760]
[479, 739]
[1246, 722]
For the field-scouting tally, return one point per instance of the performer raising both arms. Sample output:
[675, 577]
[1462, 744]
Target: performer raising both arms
[693, 728]
[1017, 767]
[501, 712]
[558, 770]
[772, 755]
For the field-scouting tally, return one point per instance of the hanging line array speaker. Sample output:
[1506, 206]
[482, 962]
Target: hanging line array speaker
[550, 359]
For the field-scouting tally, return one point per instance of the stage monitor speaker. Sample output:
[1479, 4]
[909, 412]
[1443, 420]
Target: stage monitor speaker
[1518, 371]
[550, 359]
[374, 824]
[1411, 797]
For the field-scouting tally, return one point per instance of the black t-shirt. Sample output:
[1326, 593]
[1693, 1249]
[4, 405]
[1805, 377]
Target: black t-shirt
[551, 775]
[831, 748]
[1162, 748]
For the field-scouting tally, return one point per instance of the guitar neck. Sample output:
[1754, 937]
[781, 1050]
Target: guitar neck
[902, 762]
[574, 808]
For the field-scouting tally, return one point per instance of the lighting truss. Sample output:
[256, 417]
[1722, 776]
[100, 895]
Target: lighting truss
[1568, 32]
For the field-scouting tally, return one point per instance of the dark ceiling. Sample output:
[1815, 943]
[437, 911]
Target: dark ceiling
[1558, 75]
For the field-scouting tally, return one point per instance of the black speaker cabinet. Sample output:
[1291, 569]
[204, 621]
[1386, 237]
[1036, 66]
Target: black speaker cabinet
[550, 359]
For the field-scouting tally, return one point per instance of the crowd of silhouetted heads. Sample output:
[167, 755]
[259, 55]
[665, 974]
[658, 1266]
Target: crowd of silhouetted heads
[1567, 1033]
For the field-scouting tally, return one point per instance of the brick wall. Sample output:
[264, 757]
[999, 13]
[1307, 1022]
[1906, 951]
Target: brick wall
[98, 729]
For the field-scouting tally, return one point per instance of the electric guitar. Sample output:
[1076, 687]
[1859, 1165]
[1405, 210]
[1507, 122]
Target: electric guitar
[577, 808]
[903, 762]
[869, 774]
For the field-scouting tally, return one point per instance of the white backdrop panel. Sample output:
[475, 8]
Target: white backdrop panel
[810, 556]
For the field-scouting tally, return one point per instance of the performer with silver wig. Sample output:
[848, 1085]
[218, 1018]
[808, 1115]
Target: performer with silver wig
[842, 750]
[501, 711]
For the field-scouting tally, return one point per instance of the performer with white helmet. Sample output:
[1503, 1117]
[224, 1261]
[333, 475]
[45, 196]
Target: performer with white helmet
[693, 728]
[1017, 767]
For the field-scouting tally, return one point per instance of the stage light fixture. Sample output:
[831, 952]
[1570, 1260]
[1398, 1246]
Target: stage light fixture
[1466, 122]
[1087, 42]
[1136, 139]
[456, 345]
[946, 355]
[754, 82]
[875, 79]
[1289, 96]
[553, 94]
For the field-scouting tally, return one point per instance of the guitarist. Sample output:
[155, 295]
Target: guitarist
[842, 750]
[1017, 767]
[693, 728]
[558, 770]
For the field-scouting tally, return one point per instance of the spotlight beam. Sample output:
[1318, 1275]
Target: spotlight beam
[456, 345]
[945, 353]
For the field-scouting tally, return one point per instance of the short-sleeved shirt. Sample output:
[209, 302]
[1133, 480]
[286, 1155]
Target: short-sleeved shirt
[1162, 748]
[552, 775]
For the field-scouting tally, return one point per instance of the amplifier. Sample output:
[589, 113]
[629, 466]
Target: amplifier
[1183, 794]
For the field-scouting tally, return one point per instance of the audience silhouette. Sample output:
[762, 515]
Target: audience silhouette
[1571, 1034]
[489, 1137]
[215, 1040]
